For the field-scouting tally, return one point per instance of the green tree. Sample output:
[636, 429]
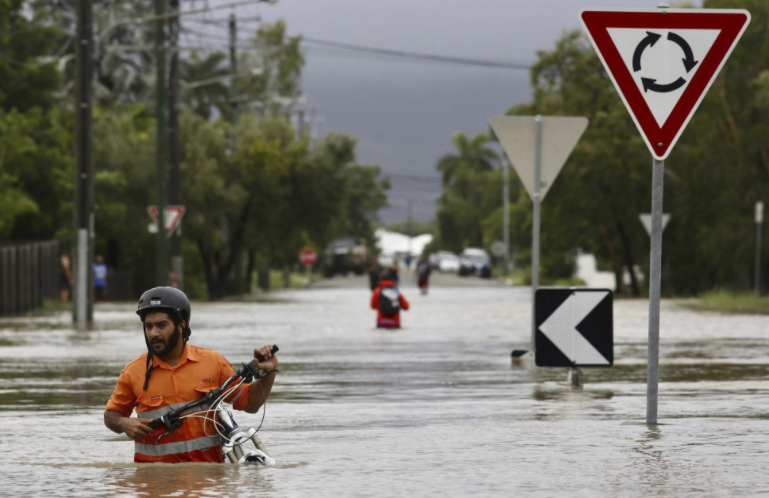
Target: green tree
[252, 190]
[280, 61]
[594, 204]
[472, 154]
[215, 95]
[28, 46]
[36, 173]
[719, 168]
[470, 192]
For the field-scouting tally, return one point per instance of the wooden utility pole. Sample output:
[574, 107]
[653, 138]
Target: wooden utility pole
[161, 160]
[233, 66]
[174, 176]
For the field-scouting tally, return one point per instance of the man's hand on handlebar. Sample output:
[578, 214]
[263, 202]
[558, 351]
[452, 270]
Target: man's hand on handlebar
[264, 359]
[136, 428]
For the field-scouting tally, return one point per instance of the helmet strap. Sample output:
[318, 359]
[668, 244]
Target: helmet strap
[186, 332]
[150, 362]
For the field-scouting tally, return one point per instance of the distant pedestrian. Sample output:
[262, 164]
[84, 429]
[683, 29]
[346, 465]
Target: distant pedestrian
[393, 273]
[423, 273]
[65, 277]
[173, 280]
[100, 278]
[374, 271]
[388, 302]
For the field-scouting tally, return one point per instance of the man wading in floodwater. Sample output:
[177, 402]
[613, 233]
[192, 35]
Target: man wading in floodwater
[173, 372]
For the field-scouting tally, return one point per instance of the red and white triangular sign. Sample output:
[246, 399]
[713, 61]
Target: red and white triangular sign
[663, 61]
[173, 216]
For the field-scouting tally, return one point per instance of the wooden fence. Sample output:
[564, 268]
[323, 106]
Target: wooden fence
[29, 275]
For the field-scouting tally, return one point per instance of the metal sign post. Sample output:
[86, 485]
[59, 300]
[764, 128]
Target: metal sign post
[308, 257]
[661, 92]
[535, 226]
[655, 281]
[537, 148]
[506, 214]
[757, 266]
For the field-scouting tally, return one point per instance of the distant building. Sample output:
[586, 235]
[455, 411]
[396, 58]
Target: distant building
[397, 245]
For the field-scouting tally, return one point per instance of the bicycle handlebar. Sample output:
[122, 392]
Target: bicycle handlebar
[172, 421]
[274, 350]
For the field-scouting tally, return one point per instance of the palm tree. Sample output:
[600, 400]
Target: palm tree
[215, 94]
[472, 153]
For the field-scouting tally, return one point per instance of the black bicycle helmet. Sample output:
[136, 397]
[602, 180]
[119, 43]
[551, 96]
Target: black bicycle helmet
[167, 299]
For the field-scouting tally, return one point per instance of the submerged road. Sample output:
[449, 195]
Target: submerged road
[434, 409]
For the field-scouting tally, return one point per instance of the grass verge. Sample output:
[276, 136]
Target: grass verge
[296, 280]
[731, 302]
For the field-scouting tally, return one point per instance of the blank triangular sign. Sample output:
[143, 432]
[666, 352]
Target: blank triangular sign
[646, 219]
[517, 135]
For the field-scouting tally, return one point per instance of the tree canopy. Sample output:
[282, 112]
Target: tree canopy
[718, 170]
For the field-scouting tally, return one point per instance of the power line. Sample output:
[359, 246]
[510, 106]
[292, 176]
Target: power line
[224, 21]
[413, 178]
[390, 54]
[416, 55]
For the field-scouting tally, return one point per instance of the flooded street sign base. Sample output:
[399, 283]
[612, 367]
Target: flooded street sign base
[661, 110]
[537, 148]
[655, 281]
[576, 377]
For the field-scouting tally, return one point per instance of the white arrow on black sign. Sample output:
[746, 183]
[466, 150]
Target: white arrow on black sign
[574, 327]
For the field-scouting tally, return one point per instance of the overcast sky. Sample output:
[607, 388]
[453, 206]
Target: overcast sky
[405, 112]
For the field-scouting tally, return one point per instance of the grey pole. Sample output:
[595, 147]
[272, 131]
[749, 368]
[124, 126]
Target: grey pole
[535, 226]
[506, 213]
[757, 266]
[655, 280]
[161, 159]
[82, 305]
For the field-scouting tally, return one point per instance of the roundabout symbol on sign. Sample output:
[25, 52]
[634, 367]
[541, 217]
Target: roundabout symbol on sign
[651, 83]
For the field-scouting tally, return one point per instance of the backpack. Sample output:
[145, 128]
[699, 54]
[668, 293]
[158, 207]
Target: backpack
[389, 301]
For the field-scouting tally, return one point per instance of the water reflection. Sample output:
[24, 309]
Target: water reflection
[186, 480]
[434, 409]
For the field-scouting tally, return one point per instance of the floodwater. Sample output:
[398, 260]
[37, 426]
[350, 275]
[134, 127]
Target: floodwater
[435, 409]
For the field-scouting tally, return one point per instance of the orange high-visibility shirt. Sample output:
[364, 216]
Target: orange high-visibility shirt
[198, 371]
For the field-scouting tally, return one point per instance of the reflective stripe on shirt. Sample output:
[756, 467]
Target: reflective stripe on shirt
[158, 450]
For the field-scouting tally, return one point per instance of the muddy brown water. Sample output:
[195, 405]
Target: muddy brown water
[434, 409]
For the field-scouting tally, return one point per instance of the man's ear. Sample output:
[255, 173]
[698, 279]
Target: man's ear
[183, 326]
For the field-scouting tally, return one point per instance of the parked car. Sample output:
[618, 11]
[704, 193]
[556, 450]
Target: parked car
[474, 261]
[449, 263]
[435, 258]
[344, 256]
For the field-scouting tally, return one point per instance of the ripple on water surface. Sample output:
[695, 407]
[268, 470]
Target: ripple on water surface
[434, 409]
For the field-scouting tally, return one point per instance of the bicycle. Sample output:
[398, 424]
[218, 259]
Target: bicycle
[235, 447]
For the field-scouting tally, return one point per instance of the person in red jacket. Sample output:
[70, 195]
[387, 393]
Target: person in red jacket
[388, 302]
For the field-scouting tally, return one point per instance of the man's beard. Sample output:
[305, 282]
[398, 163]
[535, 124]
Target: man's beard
[170, 345]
